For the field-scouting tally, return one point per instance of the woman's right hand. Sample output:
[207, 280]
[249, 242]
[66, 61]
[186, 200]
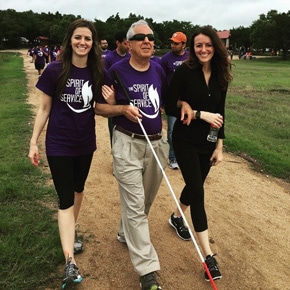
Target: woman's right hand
[214, 119]
[34, 155]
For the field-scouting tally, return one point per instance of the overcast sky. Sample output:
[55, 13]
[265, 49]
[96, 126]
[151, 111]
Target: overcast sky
[221, 14]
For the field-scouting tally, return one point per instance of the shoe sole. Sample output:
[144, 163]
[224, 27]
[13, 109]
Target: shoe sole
[173, 168]
[176, 167]
[71, 283]
[177, 231]
[121, 240]
[155, 287]
[214, 278]
[78, 251]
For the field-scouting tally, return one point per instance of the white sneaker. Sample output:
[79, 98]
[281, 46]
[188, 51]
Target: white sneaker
[173, 165]
[121, 239]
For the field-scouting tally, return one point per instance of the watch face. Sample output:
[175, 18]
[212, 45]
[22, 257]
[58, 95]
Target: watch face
[197, 115]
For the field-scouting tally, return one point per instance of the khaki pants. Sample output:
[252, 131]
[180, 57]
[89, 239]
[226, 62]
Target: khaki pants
[139, 178]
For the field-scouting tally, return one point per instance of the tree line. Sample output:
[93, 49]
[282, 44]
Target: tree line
[22, 29]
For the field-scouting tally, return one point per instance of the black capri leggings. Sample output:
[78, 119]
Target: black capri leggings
[39, 66]
[69, 175]
[194, 167]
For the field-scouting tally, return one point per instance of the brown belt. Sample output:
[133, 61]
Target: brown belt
[138, 136]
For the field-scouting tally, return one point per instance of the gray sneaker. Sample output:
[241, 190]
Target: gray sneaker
[173, 165]
[121, 239]
[78, 244]
[71, 275]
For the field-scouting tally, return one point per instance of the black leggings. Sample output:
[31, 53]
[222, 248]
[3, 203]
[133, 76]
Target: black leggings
[69, 175]
[194, 167]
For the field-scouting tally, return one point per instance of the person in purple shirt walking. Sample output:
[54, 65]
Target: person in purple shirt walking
[69, 88]
[170, 61]
[46, 49]
[53, 53]
[120, 52]
[104, 47]
[141, 82]
[155, 57]
[39, 58]
[31, 52]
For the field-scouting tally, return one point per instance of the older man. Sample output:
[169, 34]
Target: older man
[141, 82]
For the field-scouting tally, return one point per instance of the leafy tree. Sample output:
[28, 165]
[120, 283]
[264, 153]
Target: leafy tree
[272, 31]
[269, 30]
[109, 29]
[169, 27]
[10, 29]
[240, 37]
[30, 22]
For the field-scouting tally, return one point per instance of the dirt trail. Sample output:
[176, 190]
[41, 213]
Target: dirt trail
[249, 218]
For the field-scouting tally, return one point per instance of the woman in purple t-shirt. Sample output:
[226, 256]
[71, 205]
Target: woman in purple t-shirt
[39, 58]
[69, 88]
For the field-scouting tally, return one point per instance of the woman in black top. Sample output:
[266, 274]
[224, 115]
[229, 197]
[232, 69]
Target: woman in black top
[196, 96]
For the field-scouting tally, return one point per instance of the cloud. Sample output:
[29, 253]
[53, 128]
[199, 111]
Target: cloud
[222, 14]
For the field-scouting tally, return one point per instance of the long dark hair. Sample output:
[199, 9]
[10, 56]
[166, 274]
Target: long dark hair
[94, 62]
[220, 63]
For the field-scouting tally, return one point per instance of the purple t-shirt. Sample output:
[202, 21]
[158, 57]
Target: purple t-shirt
[106, 52]
[53, 54]
[156, 58]
[170, 61]
[145, 89]
[112, 57]
[40, 56]
[71, 124]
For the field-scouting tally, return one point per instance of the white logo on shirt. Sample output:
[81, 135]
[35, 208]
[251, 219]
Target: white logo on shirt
[85, 97]
[150, 99]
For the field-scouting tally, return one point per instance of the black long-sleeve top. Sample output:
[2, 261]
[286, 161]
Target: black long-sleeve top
[189, 85]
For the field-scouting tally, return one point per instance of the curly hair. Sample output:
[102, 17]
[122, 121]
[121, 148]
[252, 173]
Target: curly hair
[94, 62]
[220, 63]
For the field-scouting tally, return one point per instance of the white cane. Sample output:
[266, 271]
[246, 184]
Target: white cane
[177, 203]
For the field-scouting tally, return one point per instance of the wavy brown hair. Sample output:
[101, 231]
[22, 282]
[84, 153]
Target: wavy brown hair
[220, 63]
[94, 62]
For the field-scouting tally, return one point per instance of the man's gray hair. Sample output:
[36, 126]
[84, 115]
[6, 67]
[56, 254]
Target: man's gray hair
[131, 32]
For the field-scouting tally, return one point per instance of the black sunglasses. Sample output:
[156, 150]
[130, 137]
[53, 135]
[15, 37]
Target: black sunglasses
[142, 36]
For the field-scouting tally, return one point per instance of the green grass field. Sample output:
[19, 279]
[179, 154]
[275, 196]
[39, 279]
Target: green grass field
[258, 114]
[257, 126]
[29, 241]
